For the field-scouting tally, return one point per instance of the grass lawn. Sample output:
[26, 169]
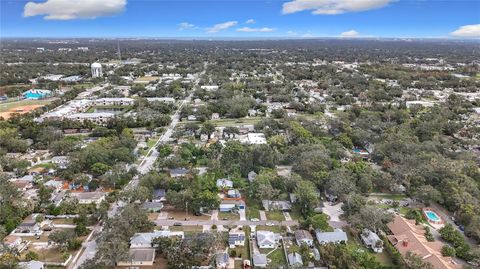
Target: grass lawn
[4, 107]
[62, 221]
[275, 215]
[253, 213]
[180, 215]
[151, 142]
[396, 197]
[277, 258]
[228, 216]
[233, 122]
[275, 229]
[49, 255]
[187, 228]
[45, 165]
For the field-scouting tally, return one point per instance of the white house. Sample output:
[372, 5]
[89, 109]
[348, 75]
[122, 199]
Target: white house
[88, 197]
[336, 237]
[224, 183]
[295, 259]
[267, 239]
[32, 265]
[260, 260]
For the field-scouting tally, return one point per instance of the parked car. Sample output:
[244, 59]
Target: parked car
[254, 219]
[269, 223]
[177, 224]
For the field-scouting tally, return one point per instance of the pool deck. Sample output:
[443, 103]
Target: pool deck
[436, 225]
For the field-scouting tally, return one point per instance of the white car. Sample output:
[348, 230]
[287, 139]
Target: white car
[254, 219]
[269, 223]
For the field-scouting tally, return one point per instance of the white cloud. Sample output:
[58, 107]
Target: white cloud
[185, 25]
[472, 30]
[250, 21]
[332, 7]
[291, 33]
[308, 35]
[351, 33]
[221, 26]
[74, 9]
[251, 30]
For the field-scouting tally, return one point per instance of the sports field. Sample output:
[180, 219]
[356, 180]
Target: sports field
[21, 107]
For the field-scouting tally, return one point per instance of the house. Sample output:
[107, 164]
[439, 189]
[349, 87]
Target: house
[55, 185]
[252, 176]
[13, 241]
[60, 161]
[224, 183]
[408, 237]
[28, 226]
[231, 205]
[269, 205]
[144, 240]
[139, 257]
[260, 260]
[303, 237]
[336, 237]
[178, 172]
[267, 239]
[236, 238]
[372, 241]
[22, 185]
[295, 259]
[86, 198]
[215, 116]
[256, 138]
[234, 194]
[152, 206]
[32, 265]
[222, 260]
[159, 195]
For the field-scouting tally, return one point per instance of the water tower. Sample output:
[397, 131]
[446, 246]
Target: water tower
[96, 70]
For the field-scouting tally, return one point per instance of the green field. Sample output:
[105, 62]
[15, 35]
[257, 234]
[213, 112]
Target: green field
[7, 106]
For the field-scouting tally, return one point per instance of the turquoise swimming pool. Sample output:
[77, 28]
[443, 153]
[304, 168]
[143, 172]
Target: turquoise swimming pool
[432, 216]
[36, 94]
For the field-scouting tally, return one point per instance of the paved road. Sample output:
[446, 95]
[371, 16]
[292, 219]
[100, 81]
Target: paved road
[225, 222]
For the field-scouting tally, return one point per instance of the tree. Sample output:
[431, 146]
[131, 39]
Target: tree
[61, 238]
[371, 217]
[44, 195]
[31, 256]
[319, 222]
[340, 182]
[307, 198]
[208, 128]
[448, 251]
[428, 194]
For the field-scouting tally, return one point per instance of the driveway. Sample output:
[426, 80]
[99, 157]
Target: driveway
[263, 215]
[334, 212]
[242, 214]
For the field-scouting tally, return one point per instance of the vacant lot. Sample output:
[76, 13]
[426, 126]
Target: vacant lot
[21, 107]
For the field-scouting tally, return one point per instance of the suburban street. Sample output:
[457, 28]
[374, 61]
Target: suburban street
[225, 222]
[89, 246]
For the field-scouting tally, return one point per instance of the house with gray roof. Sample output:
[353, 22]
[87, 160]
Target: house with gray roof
[336, 237]
[139, 257]
[152, 206]
[267, 239]
[303, 237]
[260, 260]
[32, 265]
[295, 259]
[222, 260]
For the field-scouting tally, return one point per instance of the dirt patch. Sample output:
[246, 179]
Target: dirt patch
[18, 110]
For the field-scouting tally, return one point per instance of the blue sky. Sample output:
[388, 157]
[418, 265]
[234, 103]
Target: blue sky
[243, 19]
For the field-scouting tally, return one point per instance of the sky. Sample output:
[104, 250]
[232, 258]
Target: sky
[241, 19]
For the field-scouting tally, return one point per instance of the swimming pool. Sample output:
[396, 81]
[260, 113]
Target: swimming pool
[432, 216]
[36, 94]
